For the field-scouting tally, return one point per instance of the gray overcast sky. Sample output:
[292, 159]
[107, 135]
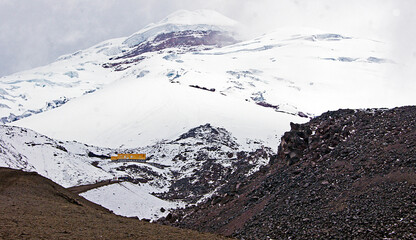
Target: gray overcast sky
[36, 32]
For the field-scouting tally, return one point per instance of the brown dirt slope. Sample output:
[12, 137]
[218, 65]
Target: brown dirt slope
[33, 207]
[347, 174]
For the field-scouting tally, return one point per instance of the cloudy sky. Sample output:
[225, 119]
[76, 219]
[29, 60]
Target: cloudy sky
[36, 32]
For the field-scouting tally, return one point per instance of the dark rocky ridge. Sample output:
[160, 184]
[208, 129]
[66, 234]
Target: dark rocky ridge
[344, 174]
[188, 38]
[208, 151]
[182, 40]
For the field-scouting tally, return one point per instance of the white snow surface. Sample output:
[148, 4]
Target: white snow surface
[37, 90]
[131, 200]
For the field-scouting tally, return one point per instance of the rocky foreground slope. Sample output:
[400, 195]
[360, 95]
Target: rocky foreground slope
[344, 174]
[33, 207]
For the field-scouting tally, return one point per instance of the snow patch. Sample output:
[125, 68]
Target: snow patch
[131, 200]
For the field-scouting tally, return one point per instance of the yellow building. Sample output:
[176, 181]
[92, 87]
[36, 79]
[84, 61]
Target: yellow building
[129, 156]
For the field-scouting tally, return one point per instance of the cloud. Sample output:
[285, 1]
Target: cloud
[35, 32]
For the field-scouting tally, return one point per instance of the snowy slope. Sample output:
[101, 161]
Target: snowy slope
[30, 92]
[146, 111]
[66, 163]
[131, 200]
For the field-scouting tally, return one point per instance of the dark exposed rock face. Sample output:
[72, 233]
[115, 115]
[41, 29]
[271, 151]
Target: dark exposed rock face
[345, 174]
[211, 135]
[212, 175]
[185, 40]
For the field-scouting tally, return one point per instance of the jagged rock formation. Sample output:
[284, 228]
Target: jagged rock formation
[345, 174]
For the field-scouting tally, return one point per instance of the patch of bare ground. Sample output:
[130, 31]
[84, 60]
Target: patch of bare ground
[33, 207]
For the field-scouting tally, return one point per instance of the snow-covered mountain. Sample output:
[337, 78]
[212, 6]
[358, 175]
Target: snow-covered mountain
[205, 106]
[30, 92]
[191, 69]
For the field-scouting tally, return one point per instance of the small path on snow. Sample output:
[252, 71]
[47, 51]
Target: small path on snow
[87, 187]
